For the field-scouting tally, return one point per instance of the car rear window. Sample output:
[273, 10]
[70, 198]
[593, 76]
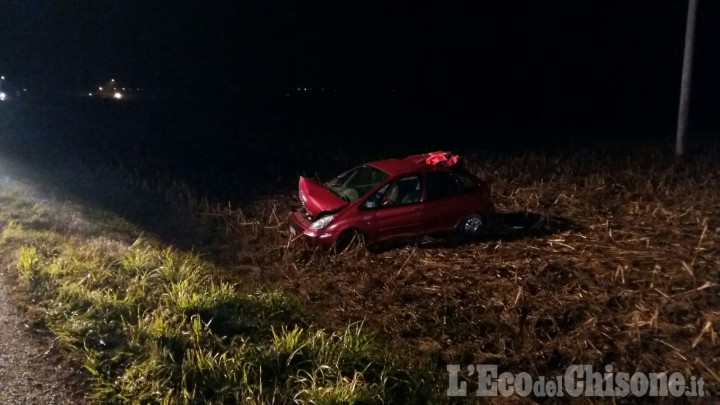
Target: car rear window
[467, 182]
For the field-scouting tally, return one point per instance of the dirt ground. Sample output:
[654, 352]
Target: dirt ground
[32, 368]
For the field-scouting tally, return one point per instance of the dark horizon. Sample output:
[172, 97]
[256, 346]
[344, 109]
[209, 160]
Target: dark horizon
[581, 46]
[615, 64]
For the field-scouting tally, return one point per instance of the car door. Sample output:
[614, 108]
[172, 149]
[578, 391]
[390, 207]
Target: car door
[398, 213]
[440, 206]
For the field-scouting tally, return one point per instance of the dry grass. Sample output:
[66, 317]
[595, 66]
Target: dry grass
[596, 259]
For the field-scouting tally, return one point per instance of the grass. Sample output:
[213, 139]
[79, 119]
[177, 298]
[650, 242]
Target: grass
[152, 324]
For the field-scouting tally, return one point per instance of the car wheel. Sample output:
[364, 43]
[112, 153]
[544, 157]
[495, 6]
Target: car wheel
[473, 225]
[349, 238]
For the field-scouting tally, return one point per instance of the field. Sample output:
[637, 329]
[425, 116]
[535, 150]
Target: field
[594, 260]
[598, 255]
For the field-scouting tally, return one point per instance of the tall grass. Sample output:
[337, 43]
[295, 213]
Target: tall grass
[152, 324]
[27, 264]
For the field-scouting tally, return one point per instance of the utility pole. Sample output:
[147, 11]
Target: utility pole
[686, 79]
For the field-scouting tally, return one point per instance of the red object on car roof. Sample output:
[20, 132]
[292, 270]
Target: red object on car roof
[443, 158]
[439, 158]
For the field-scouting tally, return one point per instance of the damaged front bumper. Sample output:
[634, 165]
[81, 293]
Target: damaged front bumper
[300, 230]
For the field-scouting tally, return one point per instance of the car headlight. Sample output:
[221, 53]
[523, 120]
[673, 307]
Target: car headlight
[321, 223]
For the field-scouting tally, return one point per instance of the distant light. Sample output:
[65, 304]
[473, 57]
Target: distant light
[90, 94]
[24, 89]
[112, 80]
[117, 95]
[2, 77]
[2, 96]
[100, 88]
[299, 89]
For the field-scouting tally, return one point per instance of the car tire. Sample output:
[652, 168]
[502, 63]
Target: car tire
[347, 239]
[473, 225]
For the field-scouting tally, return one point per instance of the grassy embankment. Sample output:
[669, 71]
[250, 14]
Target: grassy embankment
[153, 324]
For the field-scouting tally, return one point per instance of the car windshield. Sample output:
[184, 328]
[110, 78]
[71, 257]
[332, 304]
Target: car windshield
[357, 182]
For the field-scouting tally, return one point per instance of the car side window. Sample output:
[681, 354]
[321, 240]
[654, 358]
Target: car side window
[376, 199]
[404, 191]
[441, 185]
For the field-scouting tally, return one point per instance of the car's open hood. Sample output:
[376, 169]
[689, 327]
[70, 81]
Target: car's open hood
[317, 198]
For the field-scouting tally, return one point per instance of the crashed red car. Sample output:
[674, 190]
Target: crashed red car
[393, 198]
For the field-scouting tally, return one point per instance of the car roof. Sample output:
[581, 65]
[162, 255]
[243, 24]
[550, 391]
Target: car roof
[395, 167]
[412, 163]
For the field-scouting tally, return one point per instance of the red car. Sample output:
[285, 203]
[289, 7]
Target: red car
[418, 195]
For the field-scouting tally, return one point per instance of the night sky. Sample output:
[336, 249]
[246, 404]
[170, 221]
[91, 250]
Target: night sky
[608, 55]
